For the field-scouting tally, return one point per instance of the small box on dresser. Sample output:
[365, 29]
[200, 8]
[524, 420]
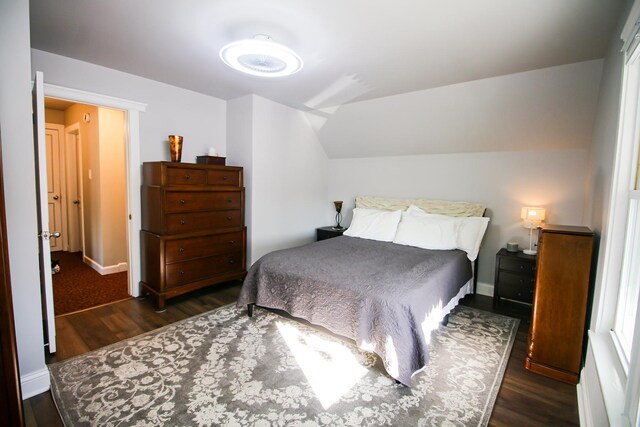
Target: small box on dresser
[193, 232]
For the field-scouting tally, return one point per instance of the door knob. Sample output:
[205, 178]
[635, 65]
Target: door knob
[56, 197]
[76, 202]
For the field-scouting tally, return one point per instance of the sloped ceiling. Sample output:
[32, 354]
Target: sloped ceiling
[354, 51]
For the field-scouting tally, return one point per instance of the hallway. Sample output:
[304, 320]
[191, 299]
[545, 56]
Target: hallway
[78, 287]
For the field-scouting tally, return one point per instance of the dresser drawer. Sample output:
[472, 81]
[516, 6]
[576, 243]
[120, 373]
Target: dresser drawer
[507, 278]
[182, 273]
[223, 177]
[517, 291]
[198, 247]
[185, 176]
[184, 201]
[197, 221]
[512, 264]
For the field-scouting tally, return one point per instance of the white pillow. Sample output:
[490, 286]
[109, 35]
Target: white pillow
[470, 230]
[470, 234]
[374, 224]
[427, 232]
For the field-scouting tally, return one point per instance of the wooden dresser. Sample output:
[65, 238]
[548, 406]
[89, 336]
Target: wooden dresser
[560, 302]
[193, 232]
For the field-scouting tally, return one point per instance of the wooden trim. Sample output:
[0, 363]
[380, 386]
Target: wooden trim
[11, 412]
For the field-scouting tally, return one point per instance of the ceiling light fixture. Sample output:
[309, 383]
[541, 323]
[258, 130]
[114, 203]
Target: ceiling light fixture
[261, 57]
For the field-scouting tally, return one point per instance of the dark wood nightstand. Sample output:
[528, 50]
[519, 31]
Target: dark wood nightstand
[515, 277]
[324, 233]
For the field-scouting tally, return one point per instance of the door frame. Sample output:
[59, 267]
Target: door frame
[70, 131]
[133, 167]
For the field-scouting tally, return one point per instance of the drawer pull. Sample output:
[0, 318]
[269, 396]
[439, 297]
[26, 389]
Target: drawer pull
[182, 272]
[183, 201]
[229, 218]
[232, 242]
[521, 267]
[187, 177]
[181, 250]
[522, 281]
[182, 221]
[229, 200]
[224, 178]
[231, 261]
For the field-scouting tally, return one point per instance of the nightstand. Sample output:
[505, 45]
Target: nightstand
[515, 277]
[324, 233]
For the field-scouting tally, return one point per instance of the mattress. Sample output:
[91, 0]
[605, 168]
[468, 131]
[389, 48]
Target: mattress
[386, 297]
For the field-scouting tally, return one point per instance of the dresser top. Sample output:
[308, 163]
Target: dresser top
[519, 255]
[566, 229]
[182, 165]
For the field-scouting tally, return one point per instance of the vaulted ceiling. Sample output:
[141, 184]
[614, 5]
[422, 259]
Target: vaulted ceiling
[353, 50]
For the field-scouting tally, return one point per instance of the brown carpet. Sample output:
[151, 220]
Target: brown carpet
[78, 286]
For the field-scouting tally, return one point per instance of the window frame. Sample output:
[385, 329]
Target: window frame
[619, 373]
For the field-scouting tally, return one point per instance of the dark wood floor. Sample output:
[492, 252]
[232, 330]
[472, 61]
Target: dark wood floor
[525, 399]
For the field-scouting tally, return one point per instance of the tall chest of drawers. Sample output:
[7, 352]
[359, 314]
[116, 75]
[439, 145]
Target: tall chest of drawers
[193, 232]
[560, 302]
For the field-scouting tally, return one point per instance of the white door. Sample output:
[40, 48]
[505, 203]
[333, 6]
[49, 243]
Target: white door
[44, 257]
[54, 187]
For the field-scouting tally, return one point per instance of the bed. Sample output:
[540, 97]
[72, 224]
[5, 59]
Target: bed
[385, 296]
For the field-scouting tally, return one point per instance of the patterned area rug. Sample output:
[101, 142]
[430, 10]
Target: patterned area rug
[224, 368]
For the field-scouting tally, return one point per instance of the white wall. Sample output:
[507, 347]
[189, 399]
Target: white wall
[240, 153]
[550, 108]
[20, 194]
[287, 179]
[113, 187]
[504, 181]
[170, 110]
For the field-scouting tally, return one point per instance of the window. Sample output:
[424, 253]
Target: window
[615, 338]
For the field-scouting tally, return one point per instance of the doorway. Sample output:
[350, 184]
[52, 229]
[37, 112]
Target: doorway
[87, 204]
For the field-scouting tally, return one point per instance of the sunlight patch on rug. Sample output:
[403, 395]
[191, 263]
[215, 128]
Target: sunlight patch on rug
[330, 368]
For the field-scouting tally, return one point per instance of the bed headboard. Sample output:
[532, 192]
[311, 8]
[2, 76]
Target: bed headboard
[441, 207]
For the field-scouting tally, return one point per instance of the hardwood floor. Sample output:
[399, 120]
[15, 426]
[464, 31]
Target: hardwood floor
[525, 399]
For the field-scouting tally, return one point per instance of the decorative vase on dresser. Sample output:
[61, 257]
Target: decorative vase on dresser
[560, 302]
[193, 232]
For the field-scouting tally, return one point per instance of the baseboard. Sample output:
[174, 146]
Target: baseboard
[583, 408]
[35, 383]
[484, 289]
[110, 269]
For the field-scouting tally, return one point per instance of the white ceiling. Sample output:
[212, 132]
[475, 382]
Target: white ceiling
[353, 50]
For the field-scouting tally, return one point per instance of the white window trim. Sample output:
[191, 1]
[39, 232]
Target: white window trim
[619, 381]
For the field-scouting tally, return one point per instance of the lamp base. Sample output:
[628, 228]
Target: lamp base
[529, 252]
[338, 228]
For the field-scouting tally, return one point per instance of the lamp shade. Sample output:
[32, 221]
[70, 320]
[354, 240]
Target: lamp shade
[532, 216]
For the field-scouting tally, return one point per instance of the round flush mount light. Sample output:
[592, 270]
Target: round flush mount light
[262, 57]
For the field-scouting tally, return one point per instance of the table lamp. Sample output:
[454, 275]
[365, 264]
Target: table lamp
[531, 218]
[338, 206]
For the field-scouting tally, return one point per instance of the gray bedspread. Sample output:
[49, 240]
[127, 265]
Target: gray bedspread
[379, 294]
